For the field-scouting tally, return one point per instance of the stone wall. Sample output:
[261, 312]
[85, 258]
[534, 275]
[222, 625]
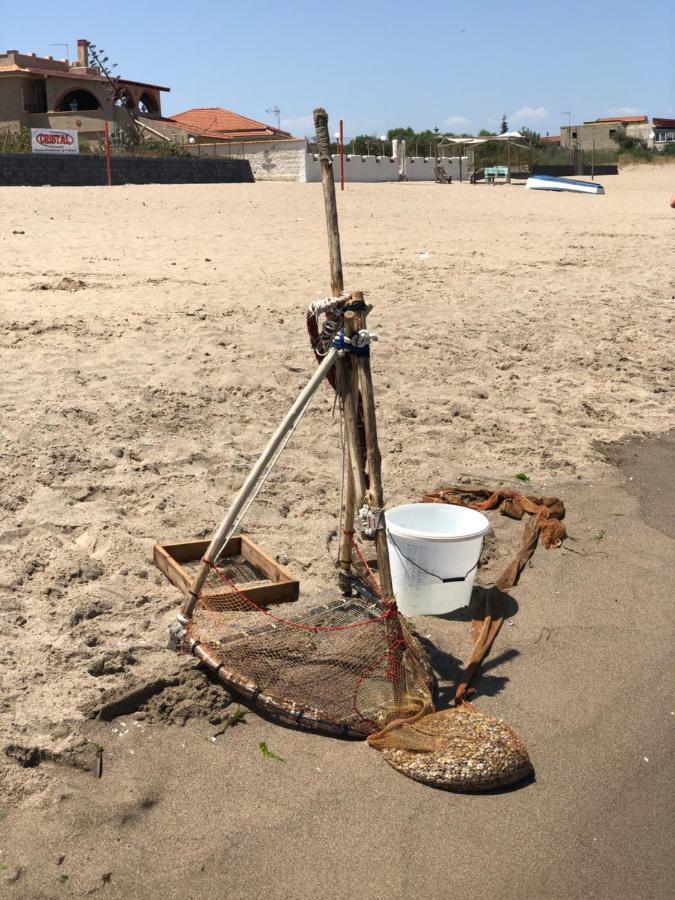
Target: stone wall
[270, 160]
[37, 169]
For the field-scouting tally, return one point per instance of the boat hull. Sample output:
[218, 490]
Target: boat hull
[551, 183]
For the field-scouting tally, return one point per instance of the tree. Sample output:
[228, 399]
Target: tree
[504, 127]
[485, 133]
[533, 136]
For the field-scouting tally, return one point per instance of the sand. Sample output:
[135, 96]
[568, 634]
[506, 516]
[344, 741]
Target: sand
[152, 338]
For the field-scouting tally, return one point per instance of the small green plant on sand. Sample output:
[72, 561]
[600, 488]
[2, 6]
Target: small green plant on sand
[267, 753]
[599, 536]
[521, 476]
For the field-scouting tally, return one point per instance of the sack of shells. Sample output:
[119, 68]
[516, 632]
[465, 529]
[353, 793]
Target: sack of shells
[459, 749]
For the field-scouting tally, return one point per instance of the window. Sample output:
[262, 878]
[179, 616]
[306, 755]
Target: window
[39, 104]
[612, 132]
[147, 103]
[74, 101]
[574, 135]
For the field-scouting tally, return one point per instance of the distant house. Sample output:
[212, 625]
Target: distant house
[664, 132]
[551, 140]
[43, 92]
[605, 132]
[217, 124]
[275, 155]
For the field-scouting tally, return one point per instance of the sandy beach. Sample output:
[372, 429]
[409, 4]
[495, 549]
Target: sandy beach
[152, 337]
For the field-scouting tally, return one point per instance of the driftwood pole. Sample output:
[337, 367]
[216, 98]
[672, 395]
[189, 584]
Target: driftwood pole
[351, 498]
[329, 201]
[347, 383]
[375, 491]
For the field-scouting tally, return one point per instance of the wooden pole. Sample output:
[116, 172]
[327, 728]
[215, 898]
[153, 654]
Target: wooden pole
[375, 491]
[106, 132]
[350, 499]
[342, 156]
[226, 529]
[329, 200]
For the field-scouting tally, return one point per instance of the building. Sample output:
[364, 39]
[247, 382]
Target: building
[275, 155]
[43, 92]
[664, 132]
[605, 133]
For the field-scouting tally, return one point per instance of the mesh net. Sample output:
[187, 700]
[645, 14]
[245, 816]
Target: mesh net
[349, 666]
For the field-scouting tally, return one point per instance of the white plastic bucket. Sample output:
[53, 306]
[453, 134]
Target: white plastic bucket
[434, 550]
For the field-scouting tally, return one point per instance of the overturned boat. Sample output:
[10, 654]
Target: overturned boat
[552, 183]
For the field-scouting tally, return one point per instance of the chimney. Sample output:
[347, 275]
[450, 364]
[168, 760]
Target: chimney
[83, 53]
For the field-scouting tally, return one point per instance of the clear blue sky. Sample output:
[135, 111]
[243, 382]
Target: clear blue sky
[379, 65]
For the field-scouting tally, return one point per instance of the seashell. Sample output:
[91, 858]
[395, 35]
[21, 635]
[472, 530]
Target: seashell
[472, 751]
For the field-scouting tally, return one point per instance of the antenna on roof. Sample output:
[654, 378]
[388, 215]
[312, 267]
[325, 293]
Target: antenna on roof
[67, 46]
[275, 111]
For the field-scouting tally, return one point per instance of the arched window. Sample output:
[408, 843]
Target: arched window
[147, 103]
[125, 100]
[74, 101]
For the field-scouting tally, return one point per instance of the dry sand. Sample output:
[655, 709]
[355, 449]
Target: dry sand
[152, 337]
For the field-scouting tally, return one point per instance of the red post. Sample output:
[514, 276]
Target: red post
[107, 153]
[342, 156]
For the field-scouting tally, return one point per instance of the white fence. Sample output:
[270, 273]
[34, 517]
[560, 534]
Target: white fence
[388, 168]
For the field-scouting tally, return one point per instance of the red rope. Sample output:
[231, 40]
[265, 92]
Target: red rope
[362, 677]
[370, 575]
[388, 613]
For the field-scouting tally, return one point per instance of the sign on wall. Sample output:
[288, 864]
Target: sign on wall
[53, 140]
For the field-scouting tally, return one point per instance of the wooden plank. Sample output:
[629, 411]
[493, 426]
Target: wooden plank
[268, 566]
[172, 569]
[184, 551]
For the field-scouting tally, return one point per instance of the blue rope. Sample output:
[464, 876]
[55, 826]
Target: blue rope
[341, 342]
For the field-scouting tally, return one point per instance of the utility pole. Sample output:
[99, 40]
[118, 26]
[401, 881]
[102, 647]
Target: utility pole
[568, 113]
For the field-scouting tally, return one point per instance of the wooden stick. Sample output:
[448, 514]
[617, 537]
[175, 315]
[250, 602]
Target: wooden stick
[329, 200]
[226, 529]
[351, 492]
[376, 493]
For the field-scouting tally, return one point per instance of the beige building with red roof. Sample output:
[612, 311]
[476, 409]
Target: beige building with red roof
[605, 133]
[275, 155]
[43, 92]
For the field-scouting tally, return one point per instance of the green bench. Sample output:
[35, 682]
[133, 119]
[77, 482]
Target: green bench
[492, 172]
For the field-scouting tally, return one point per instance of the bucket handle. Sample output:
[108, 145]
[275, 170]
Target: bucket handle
[426, 571]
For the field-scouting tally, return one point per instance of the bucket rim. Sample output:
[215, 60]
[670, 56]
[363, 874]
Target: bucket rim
[416, 534]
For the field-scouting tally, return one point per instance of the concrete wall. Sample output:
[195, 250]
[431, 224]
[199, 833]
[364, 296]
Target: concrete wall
[38, 169]
[270, 160]
[593, 133]
[384, 168]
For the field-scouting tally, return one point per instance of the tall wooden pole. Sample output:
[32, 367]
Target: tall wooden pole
[375, 489]
[350, 499]
[330, 203]
[342, 155]
[106, 132]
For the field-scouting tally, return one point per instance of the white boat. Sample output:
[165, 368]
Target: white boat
[551, 183]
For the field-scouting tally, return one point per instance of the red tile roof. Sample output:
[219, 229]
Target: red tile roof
[551, 139]
[216, 122]
[663, 123]
[622, 119]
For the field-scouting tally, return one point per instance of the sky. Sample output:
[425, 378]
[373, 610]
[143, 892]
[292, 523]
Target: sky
[379, 65]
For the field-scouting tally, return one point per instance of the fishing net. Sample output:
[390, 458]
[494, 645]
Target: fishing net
[347, 667]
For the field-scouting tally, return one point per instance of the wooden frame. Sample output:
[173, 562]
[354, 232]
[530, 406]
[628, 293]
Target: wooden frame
[275, 583]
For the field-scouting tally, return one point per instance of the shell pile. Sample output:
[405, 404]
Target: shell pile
[474, 752]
